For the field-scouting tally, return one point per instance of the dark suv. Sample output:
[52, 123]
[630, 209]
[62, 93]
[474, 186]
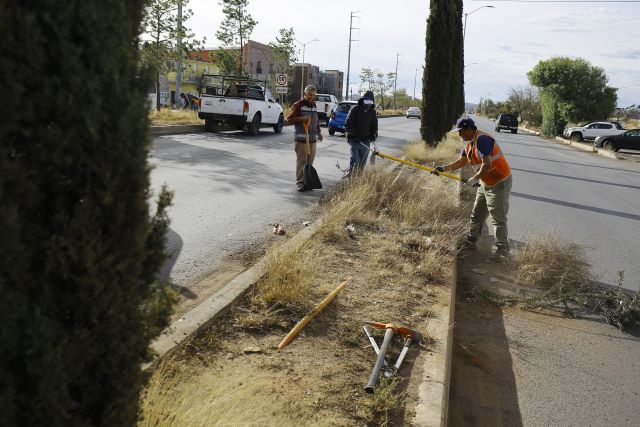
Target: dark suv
[507, 121]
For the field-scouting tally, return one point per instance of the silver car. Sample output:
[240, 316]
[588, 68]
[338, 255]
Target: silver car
[413, 112]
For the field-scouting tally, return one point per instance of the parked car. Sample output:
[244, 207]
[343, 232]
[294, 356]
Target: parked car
[413, 112]
[325, 104]
[508, 122]
[339, 116]
[628, 140]
[592, 130]
[241, 102]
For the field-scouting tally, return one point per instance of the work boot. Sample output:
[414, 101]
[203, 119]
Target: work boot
[469, 243]
[499, 253]
[301, 189]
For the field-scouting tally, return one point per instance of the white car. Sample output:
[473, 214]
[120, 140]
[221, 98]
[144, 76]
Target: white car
[592, 130]
[413, 112]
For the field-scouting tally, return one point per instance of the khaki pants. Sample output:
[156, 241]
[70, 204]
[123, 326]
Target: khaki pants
[494, 202]
[301, 159]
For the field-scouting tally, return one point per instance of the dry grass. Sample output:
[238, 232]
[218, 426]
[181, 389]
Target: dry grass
[445, 151]
[632, 124]
[556, 266]
[543, 260]
[166, 117]
[391, 112]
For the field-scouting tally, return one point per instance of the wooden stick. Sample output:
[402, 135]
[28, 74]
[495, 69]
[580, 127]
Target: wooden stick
[306, 319]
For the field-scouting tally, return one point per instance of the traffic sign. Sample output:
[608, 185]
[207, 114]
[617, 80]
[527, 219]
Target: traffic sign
[281, 80]
[281, 89]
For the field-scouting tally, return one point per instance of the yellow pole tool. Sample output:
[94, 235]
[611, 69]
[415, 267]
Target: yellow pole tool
[306, 319]
[415, 165]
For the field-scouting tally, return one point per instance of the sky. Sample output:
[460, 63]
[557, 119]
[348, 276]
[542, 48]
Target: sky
[502, 43]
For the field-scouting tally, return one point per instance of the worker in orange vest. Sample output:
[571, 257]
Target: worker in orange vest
[493, 179]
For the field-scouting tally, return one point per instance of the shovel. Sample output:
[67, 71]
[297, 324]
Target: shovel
[310, 176]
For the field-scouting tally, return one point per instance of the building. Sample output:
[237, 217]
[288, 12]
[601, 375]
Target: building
[331, 82]
[200, 62]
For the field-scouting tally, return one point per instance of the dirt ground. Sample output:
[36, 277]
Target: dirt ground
[233, 375]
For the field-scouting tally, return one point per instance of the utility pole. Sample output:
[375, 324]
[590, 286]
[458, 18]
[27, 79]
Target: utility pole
[395, 81]
[176, 95]
[349, 58]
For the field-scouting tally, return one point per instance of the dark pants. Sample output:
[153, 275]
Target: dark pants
[359, 155]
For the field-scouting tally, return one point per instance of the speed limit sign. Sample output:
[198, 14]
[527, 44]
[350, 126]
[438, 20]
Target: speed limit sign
[281, 79]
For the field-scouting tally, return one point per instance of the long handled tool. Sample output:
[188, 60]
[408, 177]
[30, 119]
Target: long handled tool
[309, 317]
[367, 330]
[390, 330]
[310, 176]
[415, 165]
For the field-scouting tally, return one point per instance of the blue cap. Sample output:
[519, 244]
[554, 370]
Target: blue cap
[464, 123]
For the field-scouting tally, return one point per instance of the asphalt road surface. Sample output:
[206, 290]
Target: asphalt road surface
[230, 186]
[582, 196]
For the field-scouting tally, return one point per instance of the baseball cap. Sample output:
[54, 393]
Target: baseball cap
[464, 123]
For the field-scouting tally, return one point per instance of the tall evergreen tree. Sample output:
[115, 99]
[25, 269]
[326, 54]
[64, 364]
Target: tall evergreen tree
[79, 253]
[441, 81]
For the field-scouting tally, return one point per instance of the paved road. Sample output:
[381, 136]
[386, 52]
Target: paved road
[582, 196]
[229, 187]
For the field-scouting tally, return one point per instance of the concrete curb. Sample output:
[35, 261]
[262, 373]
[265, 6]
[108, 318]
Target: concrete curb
[432, 408]
[178, 129]
[580, 145]
[175, 129]
[201, 316]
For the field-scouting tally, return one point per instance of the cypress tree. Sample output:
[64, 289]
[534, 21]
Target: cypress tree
[79, 252]
[441, 81]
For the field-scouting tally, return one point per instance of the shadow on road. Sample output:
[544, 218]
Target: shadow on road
[483, 388]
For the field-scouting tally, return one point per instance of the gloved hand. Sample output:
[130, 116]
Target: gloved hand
[437, 170]
[472, 182]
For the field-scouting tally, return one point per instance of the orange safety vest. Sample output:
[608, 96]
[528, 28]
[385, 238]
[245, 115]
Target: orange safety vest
[500, 169]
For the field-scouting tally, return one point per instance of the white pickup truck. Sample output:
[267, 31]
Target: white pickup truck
[239, 102]
[592, 130]
[325, 104]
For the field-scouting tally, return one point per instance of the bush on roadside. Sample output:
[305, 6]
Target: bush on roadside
[79, 252]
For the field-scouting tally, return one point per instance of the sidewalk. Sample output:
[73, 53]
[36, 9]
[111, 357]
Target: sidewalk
[514, 367]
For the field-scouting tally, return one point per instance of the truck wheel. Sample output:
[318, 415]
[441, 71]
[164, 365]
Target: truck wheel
[277, 128]
[498, 130]
[514, 131]
[327, 122]
[254, 126]
[210, 125]
[576, 136]
[332, 131]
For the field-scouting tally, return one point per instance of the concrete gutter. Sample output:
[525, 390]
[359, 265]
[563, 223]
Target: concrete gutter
[201, 316]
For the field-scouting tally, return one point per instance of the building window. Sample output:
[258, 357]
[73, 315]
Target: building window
[259, 68]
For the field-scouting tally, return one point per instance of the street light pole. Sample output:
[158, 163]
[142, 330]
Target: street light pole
[304, 45]
[464, 32]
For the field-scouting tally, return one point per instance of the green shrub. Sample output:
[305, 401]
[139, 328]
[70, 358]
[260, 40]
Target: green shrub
[80, 300]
